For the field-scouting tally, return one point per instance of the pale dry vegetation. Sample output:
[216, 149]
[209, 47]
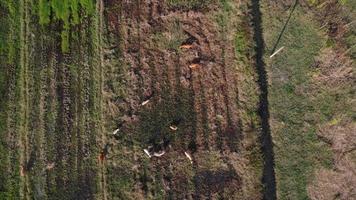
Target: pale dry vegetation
[341, 136]
[334, 184]
[334, 68]
[338, 182]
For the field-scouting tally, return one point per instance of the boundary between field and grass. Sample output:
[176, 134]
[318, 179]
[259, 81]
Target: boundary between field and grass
[268, 176]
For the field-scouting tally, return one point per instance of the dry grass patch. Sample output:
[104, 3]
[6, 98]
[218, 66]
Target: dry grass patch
[342, 137]
[334, 68]
[337, 183]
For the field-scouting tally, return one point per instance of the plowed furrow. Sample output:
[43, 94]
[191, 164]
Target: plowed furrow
[50, 118]
[24, 98]
[63, 133]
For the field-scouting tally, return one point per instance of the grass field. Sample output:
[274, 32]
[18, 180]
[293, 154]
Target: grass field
[298, 104]
[50, 110]
[9, 75]
[73, 71]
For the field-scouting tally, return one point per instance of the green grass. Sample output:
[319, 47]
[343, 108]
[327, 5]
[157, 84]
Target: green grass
[9, 52]
[189, 4]
[350, 36]
[170, 39]
[2, 135]
[9, 38]
[295, 110]
[12, 117]
[234, 29]
[3, 54]
[68, 12]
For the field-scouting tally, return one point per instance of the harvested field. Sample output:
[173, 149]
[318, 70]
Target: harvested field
[196, 88]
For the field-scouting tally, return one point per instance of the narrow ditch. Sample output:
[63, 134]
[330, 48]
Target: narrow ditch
[268, 176]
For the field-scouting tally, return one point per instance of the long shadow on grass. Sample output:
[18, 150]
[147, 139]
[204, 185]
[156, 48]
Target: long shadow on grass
[284, 27]
[268, 176]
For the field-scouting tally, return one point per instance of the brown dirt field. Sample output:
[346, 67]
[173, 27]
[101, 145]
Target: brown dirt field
[147, 37]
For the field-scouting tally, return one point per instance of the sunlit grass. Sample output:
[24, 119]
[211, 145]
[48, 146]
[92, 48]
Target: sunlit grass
[296, 111]
[66, 11]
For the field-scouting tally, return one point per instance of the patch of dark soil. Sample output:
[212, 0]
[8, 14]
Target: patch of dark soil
[190, 40]
[210, 182]
[187, 5]
[64, 123]
[178, 186]
[31, 162]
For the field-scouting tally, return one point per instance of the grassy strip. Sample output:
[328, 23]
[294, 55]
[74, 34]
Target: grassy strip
[119, 180]
[91, 91]
[95, 105]
[13, 106]
[36, 77]
[3, 100]
[50, 117]
[9, 51]
[23, 97]
[234, 25]
[295, 111]
[97, 34]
